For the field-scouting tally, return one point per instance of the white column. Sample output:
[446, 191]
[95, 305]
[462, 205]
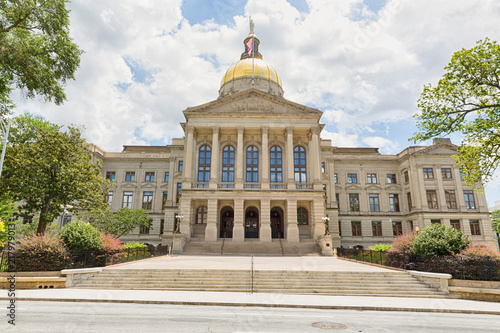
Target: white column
[317, 215]
[239, 219]
[316, 157]
[292, 229]
[289, 158]
[440, 189]
[214, 166]
[265, 157]
[265, 221]
[185, 210]
[211, 228]
[240, 165]
[188, 157]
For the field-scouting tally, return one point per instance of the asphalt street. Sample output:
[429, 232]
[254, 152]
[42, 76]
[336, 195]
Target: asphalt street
[82, 317]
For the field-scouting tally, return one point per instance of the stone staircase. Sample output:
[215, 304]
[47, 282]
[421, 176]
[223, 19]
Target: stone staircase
[386, 284]
[277, 247]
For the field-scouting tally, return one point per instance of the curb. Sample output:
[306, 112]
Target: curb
[228, 304]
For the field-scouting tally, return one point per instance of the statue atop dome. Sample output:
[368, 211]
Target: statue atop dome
[251, 25]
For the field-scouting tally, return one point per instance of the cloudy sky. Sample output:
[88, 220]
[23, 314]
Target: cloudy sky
[362, 62]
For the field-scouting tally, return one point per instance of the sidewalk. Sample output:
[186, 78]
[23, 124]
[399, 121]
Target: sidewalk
[260, 300]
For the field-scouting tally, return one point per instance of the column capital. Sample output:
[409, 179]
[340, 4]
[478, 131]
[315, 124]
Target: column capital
[190, 129]
[240, 129]
[265, 130]
[215, 129]
[289, 130]
[315, 130]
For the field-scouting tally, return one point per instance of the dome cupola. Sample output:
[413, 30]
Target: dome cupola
[251, 71]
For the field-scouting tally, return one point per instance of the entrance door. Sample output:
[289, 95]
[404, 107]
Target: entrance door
[226, 222]
[276, 223]
[251, 223]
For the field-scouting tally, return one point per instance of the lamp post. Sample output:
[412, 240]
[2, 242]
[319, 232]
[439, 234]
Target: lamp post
[179, 220]
[6, 128]
[417, 229]
[325, 220]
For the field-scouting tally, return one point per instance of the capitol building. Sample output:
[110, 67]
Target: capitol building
[252, 168]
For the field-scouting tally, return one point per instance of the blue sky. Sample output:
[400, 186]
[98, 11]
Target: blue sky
[362, 62]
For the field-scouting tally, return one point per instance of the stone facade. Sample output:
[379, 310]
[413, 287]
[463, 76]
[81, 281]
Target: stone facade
[253, 165]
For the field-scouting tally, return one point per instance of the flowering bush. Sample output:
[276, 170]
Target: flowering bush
[40, 253]
[111, 249]
[480, 251]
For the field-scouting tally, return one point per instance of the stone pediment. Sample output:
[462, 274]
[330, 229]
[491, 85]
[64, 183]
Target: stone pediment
[353, 187]
[252, 102]
[439, 149]
[373, 187]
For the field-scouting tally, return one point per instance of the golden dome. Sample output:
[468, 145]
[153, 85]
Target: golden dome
[243, 68]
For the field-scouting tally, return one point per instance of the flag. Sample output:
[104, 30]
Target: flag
[250, 46]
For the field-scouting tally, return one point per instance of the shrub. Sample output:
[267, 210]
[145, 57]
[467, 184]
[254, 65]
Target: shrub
[439, 239]
[111, 251]
[40, 253]
[136, 250]
[399, 255]
[135, 245]
[380, 247]
[479, 251]
[80, 236]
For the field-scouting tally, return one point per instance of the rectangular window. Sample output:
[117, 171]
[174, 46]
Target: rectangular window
[337, 199]
[149, 177]
[408, 198]
[165, 196]
[446, 173]
[162, 225]
[474, 227]
[354, 202]
[167, 177]
[371, 178]
[111, 175]
[66, 220]
[435, 221]
[27, 219]
[179, 186]
[377, 229]
[394, 202]
[130, 176]
[397, 228]
[469, 199]
[147, 200]
[461, 173]
[322, 167]
[432, 201]
[374, 202]
[455, 224]
[451, 201]
[180, 166]
[428, 173]
[109, 199]
[356, 228]
[391, 178]
[352, 178]
[127, 200]
[144, 230]
[335, 178]
[407, 177]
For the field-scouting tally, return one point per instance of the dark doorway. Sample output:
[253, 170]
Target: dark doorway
[277, 222]
[226, 222]
[251, 223]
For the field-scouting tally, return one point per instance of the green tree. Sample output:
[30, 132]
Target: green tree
[26, 127]
[36, 53]
[495, 220]
[120, 223]
[54, 171]
[6, 212]
[439, 239]
[466, 100]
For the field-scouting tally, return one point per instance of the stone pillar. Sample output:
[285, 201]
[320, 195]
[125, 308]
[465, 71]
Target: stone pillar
[265, 221]
[422, 198]
[185, 211]
[440, 190]
[459, 193]
[214, 166]
[317, 218]
[239, 220]
[172, 195]
[240, 165]
[292, 229]
[211, 228]
[316, 156]
[188, 158]
[289, 159]
[265, 158]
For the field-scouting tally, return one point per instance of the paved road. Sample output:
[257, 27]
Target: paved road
[117, 317]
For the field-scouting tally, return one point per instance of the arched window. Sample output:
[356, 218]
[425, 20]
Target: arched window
[252, 165]
[301, 216]
[204, 164]
[299, 164]
[276, 165]
[201, 215]
[228, 164]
